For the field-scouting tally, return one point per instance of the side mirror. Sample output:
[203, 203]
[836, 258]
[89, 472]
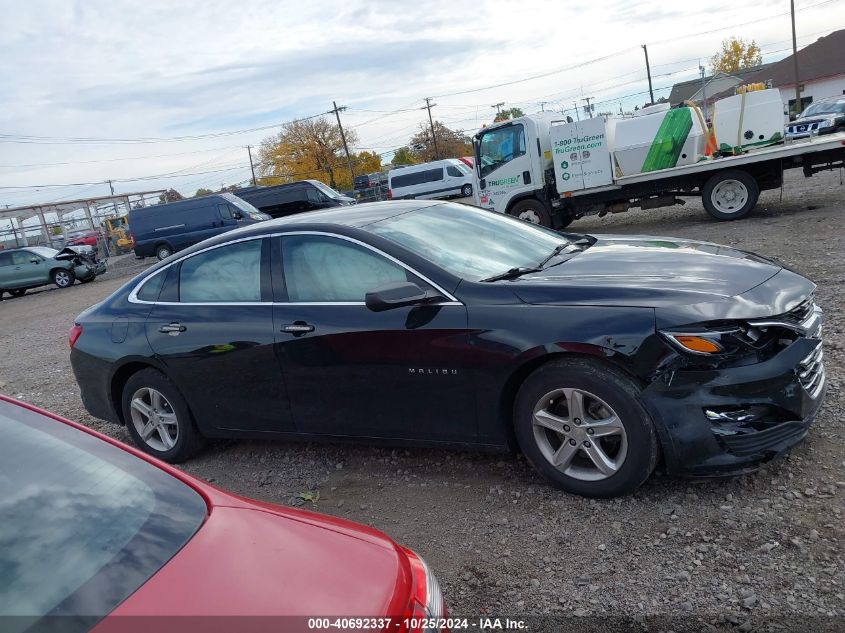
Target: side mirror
[238, 215]
[34, 261]
[394, 295]
[793, 116]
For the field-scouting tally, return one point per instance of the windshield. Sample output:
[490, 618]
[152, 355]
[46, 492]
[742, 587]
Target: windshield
[84, 523]
[44, 251]
[499, 146]
[246, 207]
[825, 107]
[331, 193]
[468, 242]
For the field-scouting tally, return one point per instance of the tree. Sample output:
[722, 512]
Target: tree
[403, 156]
[508, 113]
[171, 195]
[450, 143]
[202, 192]
[306, 149]
[362, 163]
[736, 54]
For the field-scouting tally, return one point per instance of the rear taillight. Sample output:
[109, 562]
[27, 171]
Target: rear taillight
[390, 194]
[74, 334]
[427, 602]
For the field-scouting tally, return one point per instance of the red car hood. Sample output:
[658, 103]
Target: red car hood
[254, 560]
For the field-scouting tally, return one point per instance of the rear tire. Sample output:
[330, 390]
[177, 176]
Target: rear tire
[63, 278]
[585, 417]
[157, 417]
[730, 195]
[533, 211]
[163, 251]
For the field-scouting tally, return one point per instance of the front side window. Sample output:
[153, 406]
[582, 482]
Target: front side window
[319, 268]
[23, 257]
[327, 191]
[454, 172]
[314, 196]
[468, 242]
[227, 274]
[500, 146]
[225, 211]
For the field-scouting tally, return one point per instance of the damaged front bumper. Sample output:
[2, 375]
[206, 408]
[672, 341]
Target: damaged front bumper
[86, 265]
[728, 421]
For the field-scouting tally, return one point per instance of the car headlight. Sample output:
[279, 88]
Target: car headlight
[826, 123]
[707, 341]
[427, 603]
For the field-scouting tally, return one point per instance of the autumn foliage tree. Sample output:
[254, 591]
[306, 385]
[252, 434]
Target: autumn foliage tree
[171, 195]
[507, 114]
[450, 143]
[736, 54]
[403, 156]
[312, 149]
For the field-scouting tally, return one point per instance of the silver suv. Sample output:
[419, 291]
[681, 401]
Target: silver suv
[825, 116]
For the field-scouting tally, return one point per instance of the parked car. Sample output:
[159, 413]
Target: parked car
[825, 116]
[295, 197]
[83, 238]
[449, 325]
[437, 179]
[94, 529]
[163, 229]
[34, 266]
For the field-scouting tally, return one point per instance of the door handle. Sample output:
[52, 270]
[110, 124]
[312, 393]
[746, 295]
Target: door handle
[298, 328]
[174, 329]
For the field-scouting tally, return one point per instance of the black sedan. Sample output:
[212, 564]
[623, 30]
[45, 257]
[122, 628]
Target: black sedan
[441, 324]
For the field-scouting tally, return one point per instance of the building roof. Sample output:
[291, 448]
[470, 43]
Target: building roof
[823, 58]
[689, 90]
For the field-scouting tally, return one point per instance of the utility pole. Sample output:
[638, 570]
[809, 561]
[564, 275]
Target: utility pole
[337, 112]
[429, 105]
[498, 107]
[588, 109]
[577, 114]
[648, 72]
[798, 107]
[251, 166]
[114, 203]
[703, 90]
[543, 105]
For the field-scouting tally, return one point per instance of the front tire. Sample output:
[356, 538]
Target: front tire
[466, 191]
[532, 211]
[63, 278]
[157, 417]
[730, 195]
[580, 423]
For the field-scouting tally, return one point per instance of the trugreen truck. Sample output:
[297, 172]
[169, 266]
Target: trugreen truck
[550, 170]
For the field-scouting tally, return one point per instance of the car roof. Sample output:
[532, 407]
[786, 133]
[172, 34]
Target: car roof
[357, 215]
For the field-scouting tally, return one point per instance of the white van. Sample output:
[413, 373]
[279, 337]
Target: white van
[437, 179]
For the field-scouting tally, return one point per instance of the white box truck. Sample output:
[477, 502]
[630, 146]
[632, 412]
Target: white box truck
[551, 171]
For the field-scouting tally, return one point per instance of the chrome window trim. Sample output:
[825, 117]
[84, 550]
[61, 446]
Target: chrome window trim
[133, 295]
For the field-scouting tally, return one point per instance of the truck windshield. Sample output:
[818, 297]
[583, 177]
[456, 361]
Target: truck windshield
[499, 146]
[468, 242]
[330, 193]
[825, 107]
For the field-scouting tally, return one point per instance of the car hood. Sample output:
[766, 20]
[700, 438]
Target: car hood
[257, 559]
[647, 271]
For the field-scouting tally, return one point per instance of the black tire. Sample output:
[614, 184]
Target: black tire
[62, 277]
[188, 440]
[621, 394]
[17, 292]
[466, 191]
[533, 211]
[730, 194]
[163, 251]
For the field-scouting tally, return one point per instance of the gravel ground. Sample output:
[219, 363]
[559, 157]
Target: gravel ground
[766, 548]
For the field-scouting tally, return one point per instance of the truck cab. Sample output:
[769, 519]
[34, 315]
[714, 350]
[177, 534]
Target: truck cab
[511, 159]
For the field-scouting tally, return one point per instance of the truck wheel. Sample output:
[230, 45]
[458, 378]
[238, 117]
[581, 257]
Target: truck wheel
[163, 251]
[532, 211]
[730, 195]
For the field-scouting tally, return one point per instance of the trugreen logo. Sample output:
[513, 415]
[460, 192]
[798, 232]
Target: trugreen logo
[505, 181]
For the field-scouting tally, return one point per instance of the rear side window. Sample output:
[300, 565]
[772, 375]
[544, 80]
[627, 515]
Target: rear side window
[152, 287]
[416, 178]
[230, 273]
[5, 259]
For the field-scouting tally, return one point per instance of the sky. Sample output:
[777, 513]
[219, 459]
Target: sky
[168, 94]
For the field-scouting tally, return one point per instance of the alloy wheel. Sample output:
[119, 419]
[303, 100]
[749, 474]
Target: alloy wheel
[154, 419]
[62, 279]
[580, 434]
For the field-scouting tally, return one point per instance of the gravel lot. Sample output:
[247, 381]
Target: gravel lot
[753, 552]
